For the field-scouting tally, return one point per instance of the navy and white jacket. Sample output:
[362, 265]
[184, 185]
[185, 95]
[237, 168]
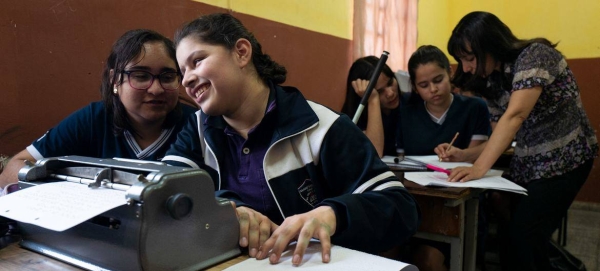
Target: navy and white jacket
[316, 157]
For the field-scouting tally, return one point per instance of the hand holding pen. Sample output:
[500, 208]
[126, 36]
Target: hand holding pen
[447, 153]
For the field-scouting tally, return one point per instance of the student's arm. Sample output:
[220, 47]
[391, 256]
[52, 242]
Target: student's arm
[374, 129]
[368, 208]
[10, 173]
[520, 105]
[459, 155]
[493, 124]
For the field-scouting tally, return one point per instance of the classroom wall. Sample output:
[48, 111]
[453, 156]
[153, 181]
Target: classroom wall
[573, 25]
[52, 51]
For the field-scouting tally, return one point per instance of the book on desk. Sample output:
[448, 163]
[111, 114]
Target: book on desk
[417, 173]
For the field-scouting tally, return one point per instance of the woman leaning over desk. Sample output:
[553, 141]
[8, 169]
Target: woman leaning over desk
[139, 115]
[532, 94]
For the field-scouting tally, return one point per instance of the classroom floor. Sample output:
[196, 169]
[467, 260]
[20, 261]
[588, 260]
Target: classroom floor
[583, 237]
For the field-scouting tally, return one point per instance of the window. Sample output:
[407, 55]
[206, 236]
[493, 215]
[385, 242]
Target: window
[389, 25]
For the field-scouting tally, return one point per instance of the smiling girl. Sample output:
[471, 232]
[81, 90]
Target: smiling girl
[294, 169]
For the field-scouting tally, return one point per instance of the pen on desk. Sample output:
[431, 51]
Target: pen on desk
[439, 169]
[429, 166]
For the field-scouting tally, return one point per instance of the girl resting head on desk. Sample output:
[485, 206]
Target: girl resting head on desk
[533, 95]
[294, 169]
[380, 118]
[139, 115]
[434, 114]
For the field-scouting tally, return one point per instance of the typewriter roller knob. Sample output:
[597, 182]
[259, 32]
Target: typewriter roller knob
[179, 205]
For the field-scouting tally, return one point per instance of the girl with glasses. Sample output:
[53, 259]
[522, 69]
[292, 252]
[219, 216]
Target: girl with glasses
[139, 115]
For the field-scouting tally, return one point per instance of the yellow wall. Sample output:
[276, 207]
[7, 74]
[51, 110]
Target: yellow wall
[332, 17]
[574, 24]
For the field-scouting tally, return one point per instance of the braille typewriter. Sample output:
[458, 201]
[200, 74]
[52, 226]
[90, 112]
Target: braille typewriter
[172, 220]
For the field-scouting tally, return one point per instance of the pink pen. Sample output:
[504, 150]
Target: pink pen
[434, 168]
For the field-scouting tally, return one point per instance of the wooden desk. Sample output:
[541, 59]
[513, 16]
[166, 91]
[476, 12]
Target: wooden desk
[449, 215]
[15, 258]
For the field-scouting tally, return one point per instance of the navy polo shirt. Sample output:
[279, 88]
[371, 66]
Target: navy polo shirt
[89, 132]
[244, 163]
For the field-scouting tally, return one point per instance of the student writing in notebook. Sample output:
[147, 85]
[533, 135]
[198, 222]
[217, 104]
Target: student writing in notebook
[533, 95]
[380, 118]
[294, 169]
[433, 116]
[139, 115]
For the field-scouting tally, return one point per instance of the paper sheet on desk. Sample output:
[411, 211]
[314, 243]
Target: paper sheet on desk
[59, 205]
[434, 160]
[341, 259]
[487, 182]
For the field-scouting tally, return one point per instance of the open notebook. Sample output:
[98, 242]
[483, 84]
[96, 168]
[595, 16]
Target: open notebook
[341, 259]
[417, 162]
[492, 180]
[487, 182]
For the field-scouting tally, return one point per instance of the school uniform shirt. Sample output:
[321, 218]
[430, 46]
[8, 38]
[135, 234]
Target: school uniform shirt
[312, 157]
[557, 136]
[420, 134]
[89, 132]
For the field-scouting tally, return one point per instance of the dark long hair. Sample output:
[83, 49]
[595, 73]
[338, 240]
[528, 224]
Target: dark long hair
[128, 47]
[225, 30]
[362, 68]
[485, 34]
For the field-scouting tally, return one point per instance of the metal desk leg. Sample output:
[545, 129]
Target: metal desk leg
[457, 244]
[470, 233]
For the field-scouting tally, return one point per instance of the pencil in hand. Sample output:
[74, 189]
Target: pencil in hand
[451, 143]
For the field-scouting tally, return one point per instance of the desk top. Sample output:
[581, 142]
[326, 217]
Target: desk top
[15, 258]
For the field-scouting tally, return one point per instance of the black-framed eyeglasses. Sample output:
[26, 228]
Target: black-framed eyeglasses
[143, 80]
